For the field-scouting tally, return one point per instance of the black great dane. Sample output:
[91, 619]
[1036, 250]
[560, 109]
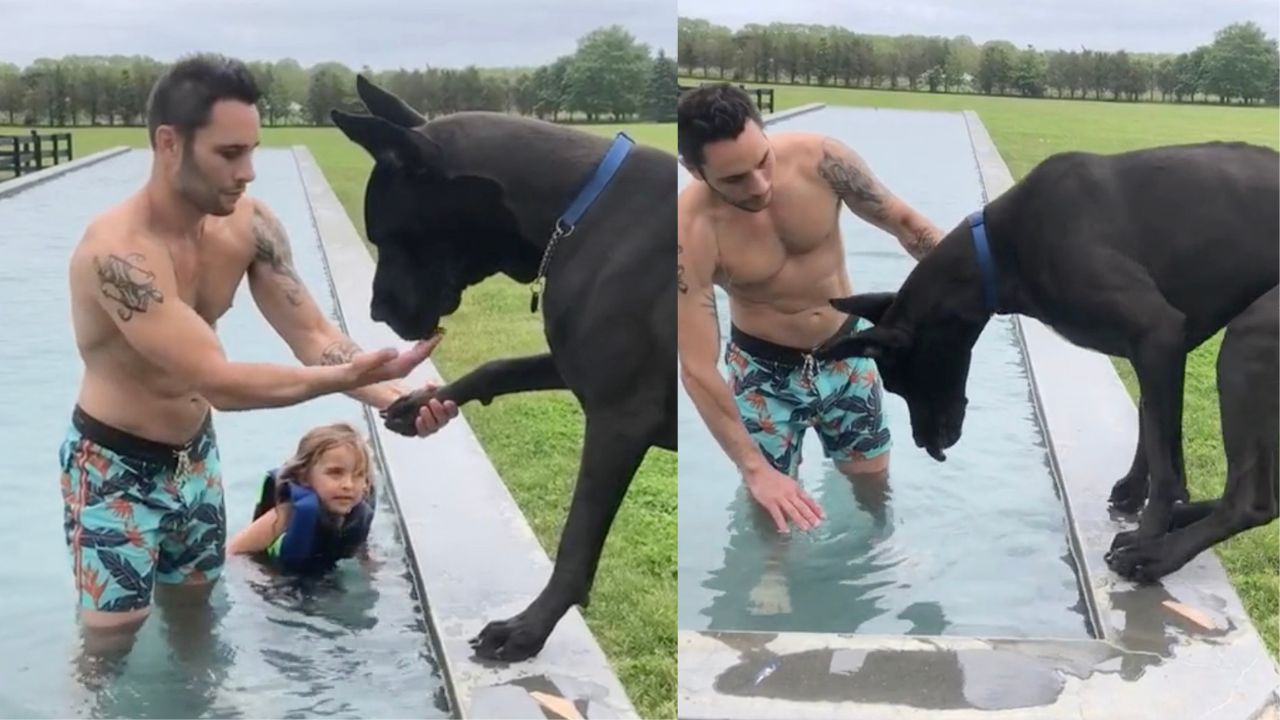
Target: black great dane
[468, 195]
[1142, 255]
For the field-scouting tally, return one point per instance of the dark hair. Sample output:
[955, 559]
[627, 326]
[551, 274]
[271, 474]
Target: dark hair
[710, 113]
[184, 94]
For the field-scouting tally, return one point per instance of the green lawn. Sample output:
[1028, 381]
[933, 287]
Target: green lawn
[1026, 131]
[535, 439]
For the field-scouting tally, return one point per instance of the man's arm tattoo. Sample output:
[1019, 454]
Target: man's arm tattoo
[680, 283]
[853, 182]
[339, 353]
[123, 280]
[709, 302]
[918, 242]
[921, 243]
[274, 252]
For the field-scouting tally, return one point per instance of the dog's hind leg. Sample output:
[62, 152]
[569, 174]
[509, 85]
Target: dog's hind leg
[494, 378]
[613, 448]
[1130, 492]
[1248, 390]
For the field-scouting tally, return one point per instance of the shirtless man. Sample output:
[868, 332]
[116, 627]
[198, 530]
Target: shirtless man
[761, 221]
[149, 281]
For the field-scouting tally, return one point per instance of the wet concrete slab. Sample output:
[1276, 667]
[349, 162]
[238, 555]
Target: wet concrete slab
[477, 559]
[1183, 648]
[22, 182]
[798, 675]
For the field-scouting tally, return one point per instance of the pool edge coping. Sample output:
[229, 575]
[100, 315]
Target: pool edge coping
[1187, 653]
[994, 173]
[17, 184]
[438, 514]
[792, 112]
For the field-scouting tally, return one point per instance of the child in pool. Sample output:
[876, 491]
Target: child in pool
[315, 509]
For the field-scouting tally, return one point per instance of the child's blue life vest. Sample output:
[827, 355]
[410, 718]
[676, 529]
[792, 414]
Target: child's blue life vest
[312, 543]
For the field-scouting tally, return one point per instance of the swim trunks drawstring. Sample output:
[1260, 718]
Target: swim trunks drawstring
[810, 369]
[184, 461]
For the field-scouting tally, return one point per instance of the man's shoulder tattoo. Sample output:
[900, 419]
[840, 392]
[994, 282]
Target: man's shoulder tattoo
[125, 280]
[271, 249]
[852, 181]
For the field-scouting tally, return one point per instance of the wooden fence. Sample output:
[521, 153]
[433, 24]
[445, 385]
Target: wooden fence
[24, 154]
[763, 96]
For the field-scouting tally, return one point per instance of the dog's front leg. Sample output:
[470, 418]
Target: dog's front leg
[494, 378]
[612, 451]
[1160, 362]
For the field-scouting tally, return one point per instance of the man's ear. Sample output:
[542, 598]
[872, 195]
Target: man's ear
[865, 305]
[388, 143]
[695, 172]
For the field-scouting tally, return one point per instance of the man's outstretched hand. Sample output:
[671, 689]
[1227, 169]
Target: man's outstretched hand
[377, 366]
[783, 498]
[414, 413]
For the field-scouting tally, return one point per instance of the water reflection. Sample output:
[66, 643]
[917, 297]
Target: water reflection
[180, 647]
[833, 578]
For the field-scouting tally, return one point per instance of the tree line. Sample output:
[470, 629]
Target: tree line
[1241, 65]
[610, 76]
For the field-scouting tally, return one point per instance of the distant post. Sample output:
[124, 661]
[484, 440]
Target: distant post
[35, 140]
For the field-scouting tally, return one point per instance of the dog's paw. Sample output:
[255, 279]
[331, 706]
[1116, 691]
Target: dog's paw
[1123, 539]
[402, 415]
[1128, 496]
[1141, 561]
[511, 640]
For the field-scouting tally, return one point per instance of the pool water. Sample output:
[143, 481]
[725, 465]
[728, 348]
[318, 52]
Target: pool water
[974, 546]
[354, 644]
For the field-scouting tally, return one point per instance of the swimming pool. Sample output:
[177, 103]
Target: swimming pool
[355, 645]
[975, 546]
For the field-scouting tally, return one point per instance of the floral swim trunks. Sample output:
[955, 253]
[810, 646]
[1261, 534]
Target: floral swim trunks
[782, 391]
[137, 512]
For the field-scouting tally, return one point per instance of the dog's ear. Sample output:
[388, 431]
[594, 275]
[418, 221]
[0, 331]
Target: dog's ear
[389, 144]
[865, 305]
[878, 343]
[387, 106]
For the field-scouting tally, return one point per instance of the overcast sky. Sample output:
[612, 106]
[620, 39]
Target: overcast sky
[1135, 25]
[384, 34]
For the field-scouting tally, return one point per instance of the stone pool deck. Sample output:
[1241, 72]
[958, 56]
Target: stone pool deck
[1149, 661]
[477, 559]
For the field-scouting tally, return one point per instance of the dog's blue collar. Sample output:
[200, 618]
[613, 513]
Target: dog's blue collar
[986, 265]
[566, 223]
[604, 173]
